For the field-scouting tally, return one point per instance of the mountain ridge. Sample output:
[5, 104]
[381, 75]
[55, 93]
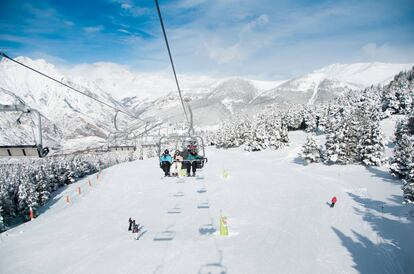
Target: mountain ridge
[70, 116]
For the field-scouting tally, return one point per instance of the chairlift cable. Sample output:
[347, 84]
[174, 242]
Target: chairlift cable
[68, 86]
[171, 60]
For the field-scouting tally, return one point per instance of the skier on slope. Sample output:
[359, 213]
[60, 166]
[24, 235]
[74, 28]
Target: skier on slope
[178, 160]
[333, 201]
[133, 225]
[192, 159]
[165, 162]
[130, 224]
[135, 230]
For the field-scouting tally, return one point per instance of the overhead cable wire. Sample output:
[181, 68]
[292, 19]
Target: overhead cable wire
[68, 86]
[171, 60]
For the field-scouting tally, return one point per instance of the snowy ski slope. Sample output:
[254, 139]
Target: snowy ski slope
[279, 220]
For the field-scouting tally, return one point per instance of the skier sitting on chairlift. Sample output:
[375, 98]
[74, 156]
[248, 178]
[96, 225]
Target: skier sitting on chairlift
[177, 164]
[165, 162]
[192, 160]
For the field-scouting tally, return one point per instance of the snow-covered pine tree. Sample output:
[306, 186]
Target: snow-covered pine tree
[8, 191]
[410, 124]
[310, 118]
[402, 161]
[398, 95]
[371, 145]
[294, 118]
[233, 133]
[408, 187]
[27, 195]
[241, 131]
[311, 152]
[284, 134]
[258, 138]
[351, 133]
[334, 144]
[273, 126]
[42, 186]
[370, 149]
[322, 118]
[2, 226]
[30, 182]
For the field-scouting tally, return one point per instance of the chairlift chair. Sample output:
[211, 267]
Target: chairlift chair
[36, 150]
[120, 147]
[181, 143]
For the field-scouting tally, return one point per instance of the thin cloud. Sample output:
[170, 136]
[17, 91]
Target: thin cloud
[93, 29]
[124, 31]
[126, 6]
[259, 22]
[189, 3]
[68, 23]
[223, 37]
[130, 9]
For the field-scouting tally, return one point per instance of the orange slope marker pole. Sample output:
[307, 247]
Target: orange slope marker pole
[31, 215]
[89, 183]
[79, 190]
[67, 199]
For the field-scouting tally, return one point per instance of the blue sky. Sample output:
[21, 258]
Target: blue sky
[264, 39]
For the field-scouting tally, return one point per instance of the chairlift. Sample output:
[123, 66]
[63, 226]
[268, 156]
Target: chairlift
[127, 136]
[183, 143]
[124, 146]
[203, 205]
[207, 229]
[194, 142]
[179, 194]
[166, 235]
[214, 268]
[36, 150]
[175, 210]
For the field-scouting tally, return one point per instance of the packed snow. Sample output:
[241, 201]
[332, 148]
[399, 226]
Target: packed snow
[279, 220]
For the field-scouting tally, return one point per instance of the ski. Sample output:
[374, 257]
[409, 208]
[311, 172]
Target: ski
[142, 233]
[138, 235]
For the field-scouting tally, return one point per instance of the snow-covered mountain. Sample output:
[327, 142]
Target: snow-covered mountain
[239, 95]
[328, 82]
[210, 105]
[70, 116]
[124, 83]
[65, 113]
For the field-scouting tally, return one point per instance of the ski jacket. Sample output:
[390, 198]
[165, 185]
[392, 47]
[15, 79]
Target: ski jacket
[334, 199]
[192, 157]
[166, 158]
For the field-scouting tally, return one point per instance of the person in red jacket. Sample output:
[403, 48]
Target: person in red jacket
[333, 201]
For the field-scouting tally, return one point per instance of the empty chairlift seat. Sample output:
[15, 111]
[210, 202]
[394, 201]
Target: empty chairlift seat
[166, 235]
[207, 229]
[36, 150]
[204, 205]
[175, 210]
[202, 190]
[179, 194]
[122, 148]
[23, 151]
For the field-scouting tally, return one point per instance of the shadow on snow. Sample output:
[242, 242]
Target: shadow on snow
[394, 246]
